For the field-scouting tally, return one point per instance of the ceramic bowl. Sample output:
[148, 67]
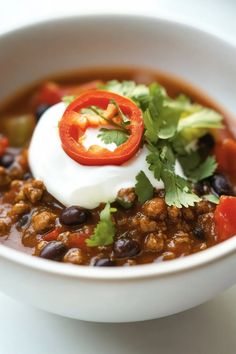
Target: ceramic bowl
[127, 293]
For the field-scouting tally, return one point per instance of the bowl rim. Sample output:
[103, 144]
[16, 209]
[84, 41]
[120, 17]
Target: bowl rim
[153, 270]
[118, 16]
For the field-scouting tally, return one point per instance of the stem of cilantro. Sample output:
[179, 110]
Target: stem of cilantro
[95, 110]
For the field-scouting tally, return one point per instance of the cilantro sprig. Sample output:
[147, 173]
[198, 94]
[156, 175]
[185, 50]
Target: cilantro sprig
[164, 152]
[143, 188]
[98, 111]
[124, 120]
[105, 230]
[161, 161]
[116, 136]
[120, 134]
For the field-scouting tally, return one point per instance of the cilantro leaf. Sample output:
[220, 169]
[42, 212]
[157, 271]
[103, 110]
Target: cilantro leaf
[105, 230]
[211, 198]
[161, 117]
[194, 169]
[151, 115]
[205, 170]
[170, 119]
[68, 99]
[161, 161]
[143, 187]
[183, 104]
[116, 136]
[155, 164]
[137, 92]
[161, 156]
[189, 162]
[177, 192]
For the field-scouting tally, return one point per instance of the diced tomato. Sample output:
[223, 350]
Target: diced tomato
[225, 218]
[225, 152]
[51, 93]
[52, 235]
[77, 240]
[4, 143]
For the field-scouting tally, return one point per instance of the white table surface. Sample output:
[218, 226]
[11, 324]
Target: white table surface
[207, 329]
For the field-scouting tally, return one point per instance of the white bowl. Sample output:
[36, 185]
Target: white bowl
[140, 292]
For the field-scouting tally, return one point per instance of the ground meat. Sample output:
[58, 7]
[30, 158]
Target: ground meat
[43, 221]
[74, 255]
[34, 190]
[200, 247]
[166, 256]
[123, 221]
[174, 213]
[204, 207]
[126, 197]
[155, 208]
[16, 184]
[206, 222]
[154, 242]
[130, 262]
[147, 225]
[29, 238]
[19, 209]
[4, 227]
[39, 247]
[180, 243]
[16, 172]
[188, 214]
[4, 177]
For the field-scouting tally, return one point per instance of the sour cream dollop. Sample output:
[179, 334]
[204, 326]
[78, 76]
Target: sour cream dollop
[75, 184]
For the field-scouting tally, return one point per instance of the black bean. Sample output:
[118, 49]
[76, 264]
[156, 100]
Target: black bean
[27, 176]
[221, 185]
[23, 221]
[74, 215]
[202, 187]
[41, 109]
[54, 250]
[104, 262]
[6, 160]
[199, 233]
[126, 247]
[206, 141]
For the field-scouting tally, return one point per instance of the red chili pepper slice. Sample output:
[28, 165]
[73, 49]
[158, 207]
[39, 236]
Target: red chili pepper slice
[71, 130]
[225, 218]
